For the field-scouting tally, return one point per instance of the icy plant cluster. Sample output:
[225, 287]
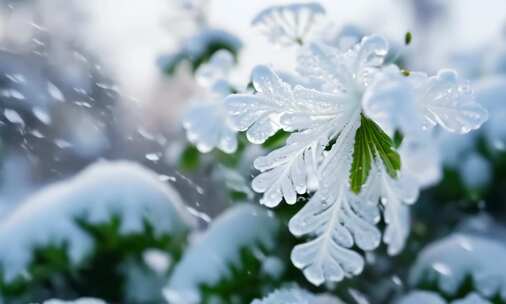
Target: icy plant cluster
[353, 120]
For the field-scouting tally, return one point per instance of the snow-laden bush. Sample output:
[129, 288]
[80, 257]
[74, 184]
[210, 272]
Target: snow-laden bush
[218, 253]
[448, 263]
[104, 190]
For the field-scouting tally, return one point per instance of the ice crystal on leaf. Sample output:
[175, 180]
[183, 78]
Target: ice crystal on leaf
[288, 24]
[206, 122]
[343, 116]
[296, 296]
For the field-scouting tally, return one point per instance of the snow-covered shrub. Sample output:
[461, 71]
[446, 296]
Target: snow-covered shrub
[94, 214]
[451, 263]
[224, 263]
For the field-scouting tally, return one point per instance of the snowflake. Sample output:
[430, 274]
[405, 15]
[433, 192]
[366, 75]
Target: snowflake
[206, 122]
[288, 24]
[342, 121]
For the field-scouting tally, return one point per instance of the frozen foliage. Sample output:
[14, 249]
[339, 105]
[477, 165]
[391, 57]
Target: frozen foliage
[209, 258]
[341, 121]
[288, 24]
[103, 190]
[206, 121]
[449, 261]
[296, 296]
[425, 297]
[78, 301]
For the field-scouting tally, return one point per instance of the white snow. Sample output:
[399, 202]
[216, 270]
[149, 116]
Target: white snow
[451, 259]
[427, 297]
[206, 260]
[102, 190]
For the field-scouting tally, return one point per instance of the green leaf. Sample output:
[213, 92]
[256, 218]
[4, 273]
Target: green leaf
[190, 158]
[372, 142]
[276, 140]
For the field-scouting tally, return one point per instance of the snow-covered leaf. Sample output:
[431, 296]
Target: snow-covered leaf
[288, 24]
[447, 101]
[336, 219]
[208, 259]
[207, 126]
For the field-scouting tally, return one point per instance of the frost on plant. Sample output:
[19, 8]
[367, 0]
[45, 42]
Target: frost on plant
[288, 24]
[343, 113]
[450, 261]
[212, 255]
[101, 191]
[297, 295]
[206, 122]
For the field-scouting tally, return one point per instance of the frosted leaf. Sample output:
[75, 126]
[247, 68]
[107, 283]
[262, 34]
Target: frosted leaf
[296, 296]
[317, 116]
[288, 24]
[332, 217]
[447, 101]
[78, 301]
[208, 127]
[104, 189]
[450, 260]
[421, 297]
[208, 259]
[394, 195]
[391, 102]
[344, 71]
[217, 69]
